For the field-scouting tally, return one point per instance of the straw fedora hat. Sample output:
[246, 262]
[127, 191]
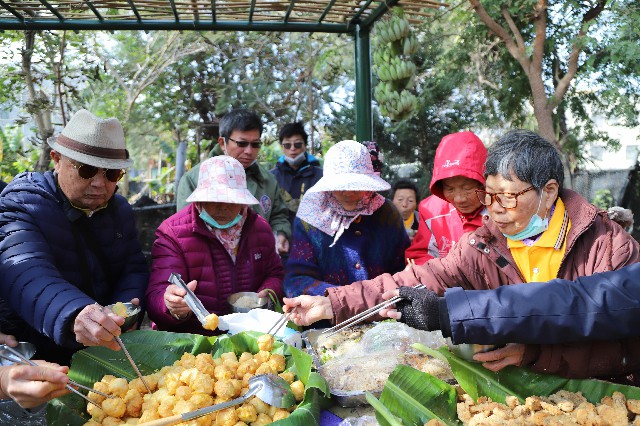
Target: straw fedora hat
[348, 167]
[222, 179]
[94, 141]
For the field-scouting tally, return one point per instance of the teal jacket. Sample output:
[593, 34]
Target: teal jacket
[262, 184]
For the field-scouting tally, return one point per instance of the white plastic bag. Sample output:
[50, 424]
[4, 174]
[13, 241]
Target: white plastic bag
[260, 320]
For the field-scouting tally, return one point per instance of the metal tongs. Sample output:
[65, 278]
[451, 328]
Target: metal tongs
[284, 319]
[358, 318]
[17, 357]
[190, 298]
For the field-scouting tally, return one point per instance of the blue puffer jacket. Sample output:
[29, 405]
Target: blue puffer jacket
[603, 306]
[294, 183]
[50, 270]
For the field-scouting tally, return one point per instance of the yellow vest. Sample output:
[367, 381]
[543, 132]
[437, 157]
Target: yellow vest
[542, 260]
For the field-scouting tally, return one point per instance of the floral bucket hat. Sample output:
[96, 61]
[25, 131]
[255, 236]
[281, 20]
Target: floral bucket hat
[222, 179]
[348, 167]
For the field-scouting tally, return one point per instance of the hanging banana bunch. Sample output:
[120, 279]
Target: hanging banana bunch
[392, 62]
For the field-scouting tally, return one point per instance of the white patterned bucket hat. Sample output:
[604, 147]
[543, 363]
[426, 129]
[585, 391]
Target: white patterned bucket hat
[222, 180]
[347, 167]
[94, 141]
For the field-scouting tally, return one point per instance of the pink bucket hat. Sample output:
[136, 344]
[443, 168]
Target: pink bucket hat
[347, 167]
[222, 180]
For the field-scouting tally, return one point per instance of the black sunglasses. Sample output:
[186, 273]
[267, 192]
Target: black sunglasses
[86, 171]
[244, 144]
[296, 145]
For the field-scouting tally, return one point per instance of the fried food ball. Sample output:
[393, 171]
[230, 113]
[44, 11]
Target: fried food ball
[201, 400]
[111, 421]
[241, 424]
[231, 364]
[119, 309]
[237, 385]
[245, 379]
[263, 419]
[172, 382]
[247, 413]
[182, 407]
[96, 413]
[226, 417]
[165, 409]
[280, 414]
[118, 387]
[100, 387]
[265, 368]
[183, 392]
[265, 342]
[277, 362]
[260, 405]
[228, 355]
[205, 364]
[188, 360]
[114, 407]
[108, 378]
[248, 366]
[225, 389]
[134, 402]
[92, 423]
[139, 386]
[132, 421]
[150, 405]
[221, 372]
[262, 356]
[210, 322]
[298, 390]
[245, 356]
[147, 416]
[288, 376]
[198, 382]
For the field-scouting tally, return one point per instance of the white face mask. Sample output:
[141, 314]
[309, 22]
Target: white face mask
[295, 161]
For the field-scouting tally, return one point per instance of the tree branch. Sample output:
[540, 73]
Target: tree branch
[576, 49]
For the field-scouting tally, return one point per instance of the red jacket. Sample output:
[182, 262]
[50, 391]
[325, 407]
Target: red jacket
[184, 245]
[441, 225]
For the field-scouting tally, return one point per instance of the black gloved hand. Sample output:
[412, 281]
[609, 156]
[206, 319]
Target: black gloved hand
[419, 308]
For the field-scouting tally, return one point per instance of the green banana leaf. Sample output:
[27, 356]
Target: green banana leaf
[413, 397]
[154, 349]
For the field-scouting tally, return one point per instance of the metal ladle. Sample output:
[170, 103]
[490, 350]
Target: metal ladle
[271, 389]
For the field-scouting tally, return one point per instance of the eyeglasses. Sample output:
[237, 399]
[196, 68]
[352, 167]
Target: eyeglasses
[508, 200]
[244, 144]
[296, 145]
[86, 171]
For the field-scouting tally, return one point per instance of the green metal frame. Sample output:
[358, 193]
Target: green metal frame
[45, 15]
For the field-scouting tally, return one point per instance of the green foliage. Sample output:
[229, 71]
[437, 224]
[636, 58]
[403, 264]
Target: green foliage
[603, 199]
[13, 159]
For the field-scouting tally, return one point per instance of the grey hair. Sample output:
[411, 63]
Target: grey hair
[528, 156]
[241, 120]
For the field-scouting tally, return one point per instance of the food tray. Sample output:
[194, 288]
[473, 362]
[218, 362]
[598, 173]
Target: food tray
[342, 398]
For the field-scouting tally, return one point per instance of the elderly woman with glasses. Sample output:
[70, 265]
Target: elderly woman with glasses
[538, 231]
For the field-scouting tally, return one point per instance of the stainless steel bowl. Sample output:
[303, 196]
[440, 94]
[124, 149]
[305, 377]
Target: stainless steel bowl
[247, 296]
[131, 317]
[468, 350]
[26, 349]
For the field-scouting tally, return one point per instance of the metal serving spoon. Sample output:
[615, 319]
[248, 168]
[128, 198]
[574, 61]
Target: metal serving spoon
[272, 389]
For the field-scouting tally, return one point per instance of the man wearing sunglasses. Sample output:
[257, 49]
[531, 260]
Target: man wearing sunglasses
[296, 170]
[240, 132]
[69, 245]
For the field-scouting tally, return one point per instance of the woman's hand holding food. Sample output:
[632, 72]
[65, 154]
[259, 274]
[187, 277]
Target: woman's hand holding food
[496, 360]
[309, 309]
[174, 300]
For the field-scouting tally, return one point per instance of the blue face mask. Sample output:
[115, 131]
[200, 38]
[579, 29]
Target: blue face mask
[211, 221]
[536, 226]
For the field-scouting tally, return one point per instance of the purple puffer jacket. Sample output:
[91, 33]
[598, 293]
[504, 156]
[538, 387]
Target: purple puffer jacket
[184, 245]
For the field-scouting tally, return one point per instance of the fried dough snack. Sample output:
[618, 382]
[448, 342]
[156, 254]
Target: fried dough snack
[561, 408]
[193, 382]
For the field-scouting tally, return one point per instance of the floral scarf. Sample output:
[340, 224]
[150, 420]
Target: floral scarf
[323, 211]
[230, 237]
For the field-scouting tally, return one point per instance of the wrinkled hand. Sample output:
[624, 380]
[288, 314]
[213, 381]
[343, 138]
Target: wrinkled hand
[309, 309]
[496, 360]
[31, 386]
[96, 326]
[7, 339]
[174, 299]
[282, 244]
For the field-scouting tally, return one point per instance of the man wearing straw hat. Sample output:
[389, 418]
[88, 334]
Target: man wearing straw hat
[68, 244]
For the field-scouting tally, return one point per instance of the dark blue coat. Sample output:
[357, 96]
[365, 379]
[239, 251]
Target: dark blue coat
[294, 183]
[603, 306]
[51, 270]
